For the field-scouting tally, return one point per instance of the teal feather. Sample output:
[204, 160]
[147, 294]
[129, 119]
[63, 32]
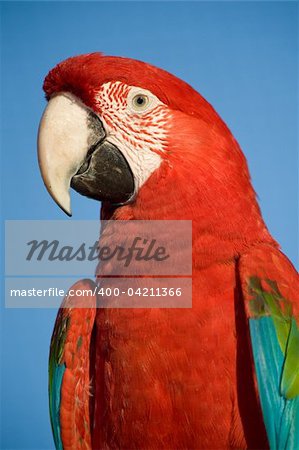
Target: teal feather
[275, 337]
[55, 404]
[281, 416]
[56, 372]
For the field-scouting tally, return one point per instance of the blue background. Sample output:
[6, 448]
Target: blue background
[241, 56]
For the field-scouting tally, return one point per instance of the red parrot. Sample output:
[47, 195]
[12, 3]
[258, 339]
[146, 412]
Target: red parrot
[222, 374]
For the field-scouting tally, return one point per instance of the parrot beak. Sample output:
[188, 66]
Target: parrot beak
[73, 152]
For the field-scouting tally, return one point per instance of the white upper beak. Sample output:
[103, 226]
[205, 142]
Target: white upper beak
[63, 142]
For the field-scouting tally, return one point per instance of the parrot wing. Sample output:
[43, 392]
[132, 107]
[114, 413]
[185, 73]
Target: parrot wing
[270, 287]
[69, 374]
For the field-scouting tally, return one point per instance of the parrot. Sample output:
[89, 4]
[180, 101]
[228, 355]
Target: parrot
[221, 374]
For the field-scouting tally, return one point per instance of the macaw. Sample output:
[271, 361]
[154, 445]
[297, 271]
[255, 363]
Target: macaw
[222, 374]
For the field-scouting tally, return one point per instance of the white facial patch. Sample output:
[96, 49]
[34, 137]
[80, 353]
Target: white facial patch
[136, 121]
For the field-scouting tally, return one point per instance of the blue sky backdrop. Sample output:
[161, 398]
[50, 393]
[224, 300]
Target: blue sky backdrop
[240, 56]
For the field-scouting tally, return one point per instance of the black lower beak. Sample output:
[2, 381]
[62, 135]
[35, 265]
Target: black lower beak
[105, 175]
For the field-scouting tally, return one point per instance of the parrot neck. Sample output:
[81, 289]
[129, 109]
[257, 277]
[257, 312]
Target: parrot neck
[225, 222]
[204, 178]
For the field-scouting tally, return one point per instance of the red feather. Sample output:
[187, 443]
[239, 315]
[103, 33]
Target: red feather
[168, 378]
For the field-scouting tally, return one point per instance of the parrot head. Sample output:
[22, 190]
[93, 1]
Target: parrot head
[112, 122]
[148, 146]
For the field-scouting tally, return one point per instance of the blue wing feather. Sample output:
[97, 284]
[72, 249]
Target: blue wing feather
[281, 416]
[56, 372]
[55, 404]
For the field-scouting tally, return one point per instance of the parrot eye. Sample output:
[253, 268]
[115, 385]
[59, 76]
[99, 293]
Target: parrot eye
[140, 102]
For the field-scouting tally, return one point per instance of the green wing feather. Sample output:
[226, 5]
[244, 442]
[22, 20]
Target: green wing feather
[290, 375]
[272, 303]
[56, 371]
